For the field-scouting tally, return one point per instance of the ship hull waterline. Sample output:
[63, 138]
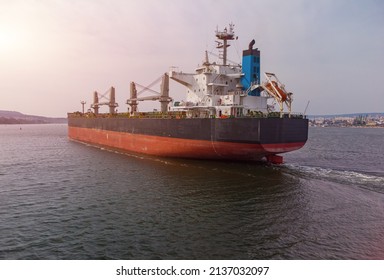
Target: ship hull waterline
[182, 148]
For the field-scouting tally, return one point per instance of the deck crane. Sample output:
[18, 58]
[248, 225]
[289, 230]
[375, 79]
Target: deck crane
[162, 96]
[110, 101]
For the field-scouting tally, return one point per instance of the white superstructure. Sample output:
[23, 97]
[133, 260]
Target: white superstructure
[217, 88]
[220, 89]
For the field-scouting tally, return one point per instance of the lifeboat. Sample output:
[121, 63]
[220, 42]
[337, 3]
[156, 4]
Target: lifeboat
[272, 86]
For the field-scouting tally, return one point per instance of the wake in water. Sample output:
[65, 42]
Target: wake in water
[373, 182]
[369, 181]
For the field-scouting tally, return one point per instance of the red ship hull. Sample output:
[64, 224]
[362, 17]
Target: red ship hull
[178, 147]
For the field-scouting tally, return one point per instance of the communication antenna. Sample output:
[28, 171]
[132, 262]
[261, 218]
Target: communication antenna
[306, 107]
[226, 35]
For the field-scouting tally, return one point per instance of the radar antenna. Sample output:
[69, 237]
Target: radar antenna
[224, 36]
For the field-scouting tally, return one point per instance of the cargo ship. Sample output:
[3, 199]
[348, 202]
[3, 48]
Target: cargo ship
[229, 113]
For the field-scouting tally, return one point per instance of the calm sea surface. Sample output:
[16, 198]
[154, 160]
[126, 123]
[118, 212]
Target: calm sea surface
[64, 200]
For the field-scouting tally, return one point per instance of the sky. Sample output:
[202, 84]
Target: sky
[56, 53]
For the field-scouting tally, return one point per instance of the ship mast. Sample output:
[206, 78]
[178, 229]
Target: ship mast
[225, 36]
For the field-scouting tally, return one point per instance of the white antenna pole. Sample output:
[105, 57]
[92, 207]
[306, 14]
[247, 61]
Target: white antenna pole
[306, 107]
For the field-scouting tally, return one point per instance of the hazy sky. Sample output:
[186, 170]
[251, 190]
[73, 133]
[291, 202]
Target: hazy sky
[55, 53]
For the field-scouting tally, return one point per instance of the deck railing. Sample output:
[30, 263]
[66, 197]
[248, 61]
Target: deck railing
[182, 115]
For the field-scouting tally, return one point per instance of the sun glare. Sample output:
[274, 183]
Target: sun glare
[7, 39]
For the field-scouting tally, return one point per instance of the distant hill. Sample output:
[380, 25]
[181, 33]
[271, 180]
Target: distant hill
[13, 117]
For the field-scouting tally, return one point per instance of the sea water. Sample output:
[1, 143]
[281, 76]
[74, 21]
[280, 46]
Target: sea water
[61, 199]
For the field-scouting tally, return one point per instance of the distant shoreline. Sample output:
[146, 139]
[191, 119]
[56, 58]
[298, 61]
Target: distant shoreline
[13, 117]
[17, 122]
[330, 126]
